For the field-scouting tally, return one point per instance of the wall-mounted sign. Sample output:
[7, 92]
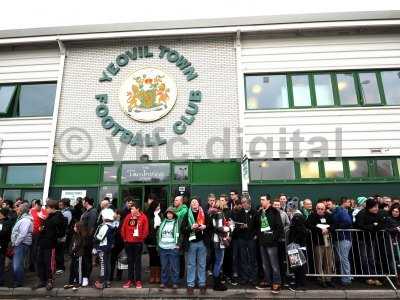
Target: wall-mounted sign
[150, 172]
[147, 95]
[72, 195]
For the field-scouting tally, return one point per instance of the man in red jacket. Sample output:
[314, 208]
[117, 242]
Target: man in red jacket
[134, 231]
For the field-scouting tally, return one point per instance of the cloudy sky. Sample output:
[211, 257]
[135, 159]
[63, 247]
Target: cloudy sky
[45, 13]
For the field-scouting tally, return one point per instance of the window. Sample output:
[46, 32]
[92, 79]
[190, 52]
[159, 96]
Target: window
[347, 89]
[333, 169]
[301, 90]
[110, 174]
[309, 169]
[37, 100]
[384, 168]
[272, 170]
[6, 97]
[33, 174]
[27, 100]
[181, 172]
[265, 92]
[151, 172]
[358, 168]
[323, 90]
[33, 195]
[111, 192]
[391, 86]
[11, 194]
[369, 88]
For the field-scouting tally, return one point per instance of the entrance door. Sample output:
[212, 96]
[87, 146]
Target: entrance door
[133, 191]
[161, 192]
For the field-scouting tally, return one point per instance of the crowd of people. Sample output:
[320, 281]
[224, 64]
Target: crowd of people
[229, 237]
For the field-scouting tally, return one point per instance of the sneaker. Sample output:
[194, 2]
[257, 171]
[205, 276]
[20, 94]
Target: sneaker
[276, 288]
[175, 286]
[378, 283]
[262, 286]
[234, 281]
[68, 286]
[49, 286]
[190, 291]
[162, 286]
[210, 273]
[98, 285]
[127, 284]
[85, 282]
[291, 288]
[59, 272]
[139, 284]
[75, 288]
[370, 282]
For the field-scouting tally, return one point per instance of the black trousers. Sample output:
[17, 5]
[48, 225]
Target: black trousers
[134, 254]
[154, 256]
[60, 248]
[116, 250]
[75, 270]
[46, 264]
[105, 266]
[33, 253]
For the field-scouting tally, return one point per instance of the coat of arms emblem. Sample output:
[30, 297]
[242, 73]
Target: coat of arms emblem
[147, 95]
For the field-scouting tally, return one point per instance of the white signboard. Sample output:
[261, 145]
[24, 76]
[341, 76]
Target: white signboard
[72, 195]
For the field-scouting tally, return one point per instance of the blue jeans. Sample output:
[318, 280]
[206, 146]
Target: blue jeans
[343, 249]
[20, 252]
[219, 259]
[196, 260]
[169, 265]
[270, 261]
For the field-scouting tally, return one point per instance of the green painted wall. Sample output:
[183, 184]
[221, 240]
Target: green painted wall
[216, 173]
[76, 174]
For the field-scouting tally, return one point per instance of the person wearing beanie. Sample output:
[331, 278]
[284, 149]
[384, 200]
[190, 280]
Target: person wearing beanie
[5, 237]
[103, 243]
[168, 245]
[360, 204]
[371, 220]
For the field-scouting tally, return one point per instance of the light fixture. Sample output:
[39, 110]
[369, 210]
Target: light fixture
[264, 164]
[252, 103]
[342, 85]
[256, 89]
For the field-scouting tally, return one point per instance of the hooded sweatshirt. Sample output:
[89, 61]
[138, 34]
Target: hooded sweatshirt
[22, 231]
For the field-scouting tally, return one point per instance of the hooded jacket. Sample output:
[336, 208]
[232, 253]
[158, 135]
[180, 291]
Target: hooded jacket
[131, 224]
[22, 231]
[272, 236]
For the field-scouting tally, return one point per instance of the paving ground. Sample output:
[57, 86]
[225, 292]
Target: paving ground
[358, 290]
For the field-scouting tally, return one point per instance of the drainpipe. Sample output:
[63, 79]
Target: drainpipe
[50, 155]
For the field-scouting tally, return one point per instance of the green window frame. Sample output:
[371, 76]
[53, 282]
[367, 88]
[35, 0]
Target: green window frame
[359, 89]
[12, 109]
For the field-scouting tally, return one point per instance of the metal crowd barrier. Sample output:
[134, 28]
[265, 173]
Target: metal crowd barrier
[370, 255]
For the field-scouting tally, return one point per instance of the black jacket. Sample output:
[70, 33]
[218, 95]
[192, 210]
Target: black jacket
[186, 231]
[316, 233]
[50, 231]
[272, 236]
[372, 222]
[5, 234]
[151, 239]
[298, 230]
[248, 218]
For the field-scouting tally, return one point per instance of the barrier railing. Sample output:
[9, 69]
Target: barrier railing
[351, 253]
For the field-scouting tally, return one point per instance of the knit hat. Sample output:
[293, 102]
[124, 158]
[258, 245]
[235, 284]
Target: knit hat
[361, 200]
[171, 210]
[107, 214]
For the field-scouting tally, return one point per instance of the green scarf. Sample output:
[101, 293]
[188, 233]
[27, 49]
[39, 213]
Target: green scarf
[181, 212]
[175, 232]
[264, 221]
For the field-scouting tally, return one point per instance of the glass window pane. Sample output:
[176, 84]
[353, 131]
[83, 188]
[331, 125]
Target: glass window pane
[6, 96]
[271, 169]
[369, 88]
[309, 169]
[11, 194]
[301, 90]
[151, 172]
[323, 90]
[264, 92]
[347, 89]
[384, 168]
[181, 172]
[37, 99]
[110, 174]
[111, 192]
[33, 195]
[358, 168]
[25, 174]
[333, 169]
[391, 86]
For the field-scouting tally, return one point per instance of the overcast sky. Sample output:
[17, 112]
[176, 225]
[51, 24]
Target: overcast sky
[45, 13]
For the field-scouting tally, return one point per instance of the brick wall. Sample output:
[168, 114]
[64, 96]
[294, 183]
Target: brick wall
[80, 135]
